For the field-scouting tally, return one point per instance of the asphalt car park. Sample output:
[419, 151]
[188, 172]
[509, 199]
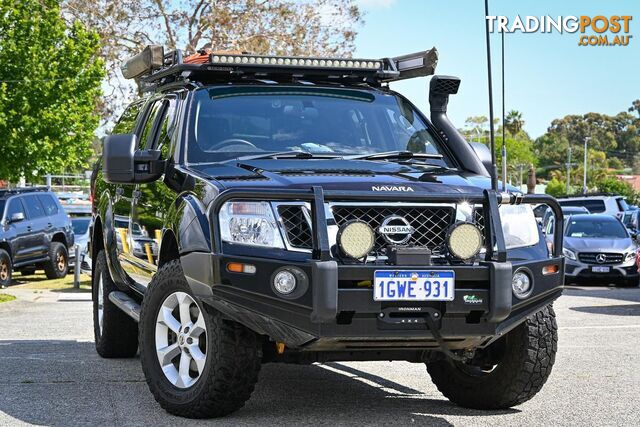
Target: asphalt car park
[50, 374]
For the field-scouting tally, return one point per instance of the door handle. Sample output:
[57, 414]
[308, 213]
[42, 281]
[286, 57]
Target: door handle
[29, 228]
[49, 225]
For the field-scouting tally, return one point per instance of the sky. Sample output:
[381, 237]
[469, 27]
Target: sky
[547, 76]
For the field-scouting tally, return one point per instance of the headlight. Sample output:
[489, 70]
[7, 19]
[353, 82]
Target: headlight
[569, 253]
[249, 223]
[137, 246]
[631, 255]
[519, 226]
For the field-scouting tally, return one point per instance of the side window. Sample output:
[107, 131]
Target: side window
[49, 205]
[15, 206]
[34, 207]
[167, 125]
[147, 131]
[127, 121]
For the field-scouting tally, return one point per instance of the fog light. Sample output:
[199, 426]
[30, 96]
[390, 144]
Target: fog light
[464, 240]
[284, 282]
[521, 284]
[356, 239]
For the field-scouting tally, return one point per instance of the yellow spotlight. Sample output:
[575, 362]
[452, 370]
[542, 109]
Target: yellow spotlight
[464, 240]
[356, 239]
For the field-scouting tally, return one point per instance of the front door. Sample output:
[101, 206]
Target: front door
[20, 229]
[152, 199]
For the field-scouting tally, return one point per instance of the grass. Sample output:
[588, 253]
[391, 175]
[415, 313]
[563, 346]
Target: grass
[39, 281]
[6, 298]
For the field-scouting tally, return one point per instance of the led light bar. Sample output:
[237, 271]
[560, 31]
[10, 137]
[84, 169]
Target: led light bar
[417, 64]
[298, 61]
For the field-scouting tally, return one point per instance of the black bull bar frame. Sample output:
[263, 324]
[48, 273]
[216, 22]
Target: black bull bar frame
[324, 271]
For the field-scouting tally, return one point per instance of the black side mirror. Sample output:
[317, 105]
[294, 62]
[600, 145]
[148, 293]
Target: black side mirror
[483, 153]
[16, 217]
[123, 164]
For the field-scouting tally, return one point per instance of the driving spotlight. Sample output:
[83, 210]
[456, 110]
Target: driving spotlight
[356, 239]
[464, 240]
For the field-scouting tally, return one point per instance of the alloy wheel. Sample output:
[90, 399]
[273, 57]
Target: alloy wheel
[181, 339]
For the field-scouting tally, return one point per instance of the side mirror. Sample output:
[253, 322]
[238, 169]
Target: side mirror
[123, 164]
[17, 217]
[484, 154]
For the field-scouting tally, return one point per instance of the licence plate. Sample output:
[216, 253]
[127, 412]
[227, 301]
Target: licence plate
[406, 285]
[600, 269]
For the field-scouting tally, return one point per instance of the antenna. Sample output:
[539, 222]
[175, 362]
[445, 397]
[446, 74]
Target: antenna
[494, 168]
[504, 138]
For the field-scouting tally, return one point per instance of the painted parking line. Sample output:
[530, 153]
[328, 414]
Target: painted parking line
[600, 327]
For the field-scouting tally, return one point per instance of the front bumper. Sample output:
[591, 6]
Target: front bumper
[576, 270]
[334, 314]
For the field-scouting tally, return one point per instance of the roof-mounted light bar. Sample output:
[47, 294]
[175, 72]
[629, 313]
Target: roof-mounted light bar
[297, 61]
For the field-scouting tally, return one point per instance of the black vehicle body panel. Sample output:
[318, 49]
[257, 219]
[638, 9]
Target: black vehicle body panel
[28, 241]
[329, 317]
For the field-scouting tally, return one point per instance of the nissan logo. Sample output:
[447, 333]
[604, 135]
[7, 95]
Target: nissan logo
[601, 258]
[396, 230]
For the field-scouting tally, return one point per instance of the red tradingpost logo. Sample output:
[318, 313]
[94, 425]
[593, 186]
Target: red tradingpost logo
[598, 30]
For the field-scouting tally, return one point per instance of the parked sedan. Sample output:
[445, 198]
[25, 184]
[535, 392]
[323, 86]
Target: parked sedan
[599, 248]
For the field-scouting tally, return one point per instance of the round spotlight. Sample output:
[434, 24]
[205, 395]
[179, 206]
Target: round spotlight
[464, 240]
[284, 282]
[356, 239]
[521, 284]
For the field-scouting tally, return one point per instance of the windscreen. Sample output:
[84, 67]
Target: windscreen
[597, 229]
[231, 122]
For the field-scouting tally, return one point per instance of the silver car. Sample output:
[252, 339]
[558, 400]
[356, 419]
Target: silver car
[599, 248]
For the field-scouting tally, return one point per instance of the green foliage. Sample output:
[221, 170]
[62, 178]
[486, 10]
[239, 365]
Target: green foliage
[556, 188]
[49, 87]
[615, 186]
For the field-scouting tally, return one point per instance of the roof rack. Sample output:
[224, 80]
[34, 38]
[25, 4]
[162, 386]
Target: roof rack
[153, 67]
[594, 194]
[10, 191]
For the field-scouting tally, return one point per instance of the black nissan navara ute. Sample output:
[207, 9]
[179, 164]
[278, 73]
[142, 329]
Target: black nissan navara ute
[304, 212]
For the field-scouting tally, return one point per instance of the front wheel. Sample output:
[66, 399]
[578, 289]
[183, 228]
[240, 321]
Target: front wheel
[6, 268]
[508, 372]
[57, 266]
[197, 364]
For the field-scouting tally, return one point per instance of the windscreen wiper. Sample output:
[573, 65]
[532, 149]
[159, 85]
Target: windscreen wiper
[289, 155]
[395, 155]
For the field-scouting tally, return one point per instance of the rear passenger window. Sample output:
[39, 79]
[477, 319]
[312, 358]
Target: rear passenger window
[49, 205]
[34, 207]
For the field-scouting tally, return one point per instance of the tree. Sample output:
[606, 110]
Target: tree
[283, 27]
[613, 185]
[635, 106]
[49, 86]
[555, 188]
[514, 123]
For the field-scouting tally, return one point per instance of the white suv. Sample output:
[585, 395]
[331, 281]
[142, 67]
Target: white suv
[610, 205]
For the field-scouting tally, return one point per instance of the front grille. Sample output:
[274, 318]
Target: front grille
[609, 258]
[296, 226]
[430, 222]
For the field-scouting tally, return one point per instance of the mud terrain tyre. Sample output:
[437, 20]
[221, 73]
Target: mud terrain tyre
[116, 334]
[58, 264]
[518, 368]
[197, 364]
